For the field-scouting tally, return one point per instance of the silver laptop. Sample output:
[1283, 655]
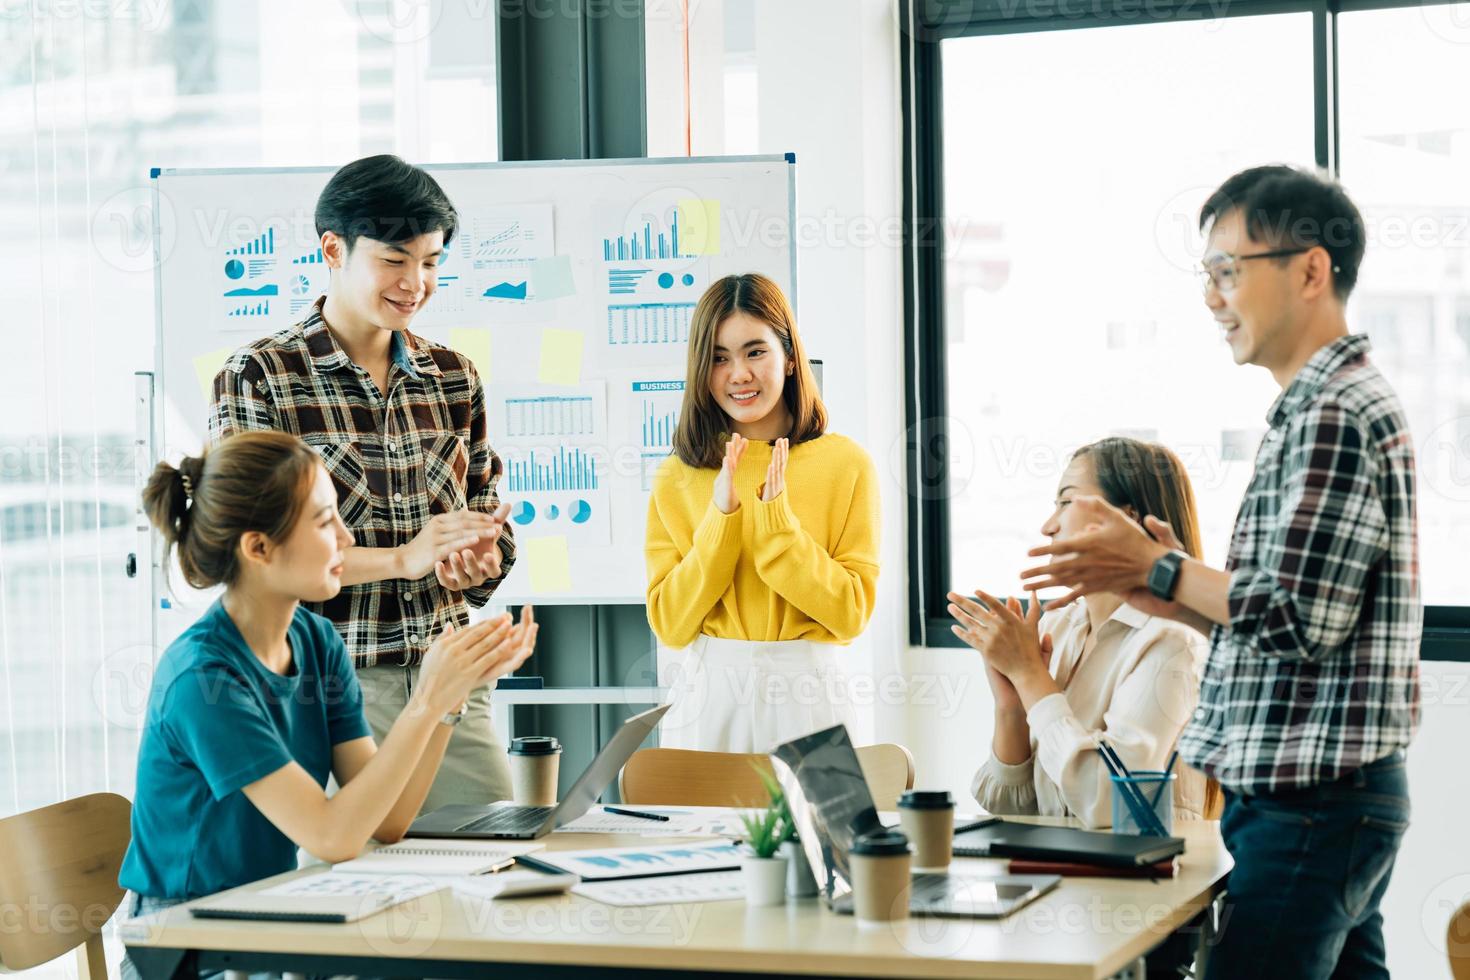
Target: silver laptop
[832, 806]
[506, 819]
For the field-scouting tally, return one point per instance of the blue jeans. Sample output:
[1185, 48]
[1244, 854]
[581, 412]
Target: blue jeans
[1311, 867]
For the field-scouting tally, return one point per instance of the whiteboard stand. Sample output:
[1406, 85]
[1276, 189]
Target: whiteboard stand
[501, 701]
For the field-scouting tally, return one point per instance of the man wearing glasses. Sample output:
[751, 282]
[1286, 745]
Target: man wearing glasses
[1311, 690]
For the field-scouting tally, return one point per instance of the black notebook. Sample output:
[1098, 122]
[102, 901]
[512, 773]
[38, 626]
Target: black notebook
[1024, 840]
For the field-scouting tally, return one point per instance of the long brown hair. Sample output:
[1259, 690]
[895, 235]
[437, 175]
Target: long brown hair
[1149, 478]
[252, 481]
[697, 438]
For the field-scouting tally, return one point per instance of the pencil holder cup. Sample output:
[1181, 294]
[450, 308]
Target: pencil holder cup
[1154, 791]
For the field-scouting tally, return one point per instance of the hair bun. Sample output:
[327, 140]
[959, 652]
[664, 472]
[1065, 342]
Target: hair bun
[189, 471]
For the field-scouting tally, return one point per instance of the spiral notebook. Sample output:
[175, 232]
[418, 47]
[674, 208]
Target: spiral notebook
[324, 897]
[428, 856]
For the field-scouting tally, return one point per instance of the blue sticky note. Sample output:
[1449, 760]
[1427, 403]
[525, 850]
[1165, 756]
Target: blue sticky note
[551, 278]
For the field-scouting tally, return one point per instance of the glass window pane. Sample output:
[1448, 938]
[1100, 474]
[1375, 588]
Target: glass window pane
[91, 103]
[1075, 165]
[1405, 159]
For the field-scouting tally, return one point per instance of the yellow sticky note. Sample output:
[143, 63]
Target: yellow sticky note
[699, 226]
[561, 357]
[206, 366]
[551, 569]
[474, 344]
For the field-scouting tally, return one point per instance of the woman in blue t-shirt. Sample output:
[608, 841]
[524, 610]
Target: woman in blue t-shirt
[256, 704]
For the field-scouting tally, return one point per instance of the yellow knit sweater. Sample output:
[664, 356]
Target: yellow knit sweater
[802, 567]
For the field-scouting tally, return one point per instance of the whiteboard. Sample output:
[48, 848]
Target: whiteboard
[569, 284]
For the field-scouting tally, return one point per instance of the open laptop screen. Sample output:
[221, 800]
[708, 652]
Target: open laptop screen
[830, 803]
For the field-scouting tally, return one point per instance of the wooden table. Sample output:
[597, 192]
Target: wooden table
[1086, 928]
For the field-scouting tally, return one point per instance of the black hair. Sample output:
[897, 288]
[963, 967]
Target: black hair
[251, 481]
[386, 199]
[1287, 207]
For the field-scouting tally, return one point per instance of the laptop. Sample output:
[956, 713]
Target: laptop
[832, 806]
[510, 820]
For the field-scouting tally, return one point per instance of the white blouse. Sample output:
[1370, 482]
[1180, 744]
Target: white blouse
[1137, 686]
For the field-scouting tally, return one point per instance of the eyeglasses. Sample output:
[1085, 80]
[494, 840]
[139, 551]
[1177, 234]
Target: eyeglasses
[1224, 275]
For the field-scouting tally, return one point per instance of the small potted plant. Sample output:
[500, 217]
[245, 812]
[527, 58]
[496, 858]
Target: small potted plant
[763, 866]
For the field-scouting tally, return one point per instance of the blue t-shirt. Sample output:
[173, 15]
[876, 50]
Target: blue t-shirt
[219, 720]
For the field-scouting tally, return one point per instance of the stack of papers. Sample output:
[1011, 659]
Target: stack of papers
[326, 897]
[710, 886]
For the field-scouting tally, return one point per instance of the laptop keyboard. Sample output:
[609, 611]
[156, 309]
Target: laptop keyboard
[509, 819]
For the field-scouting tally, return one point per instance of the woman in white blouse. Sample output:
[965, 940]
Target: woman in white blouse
[1096, 669]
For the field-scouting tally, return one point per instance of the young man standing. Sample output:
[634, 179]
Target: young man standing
[401, 425]
[1311, 690]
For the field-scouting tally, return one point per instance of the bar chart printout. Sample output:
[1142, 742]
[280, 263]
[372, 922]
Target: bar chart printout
[568, 468]
[658, 405]
[646, 241]
[558, 491]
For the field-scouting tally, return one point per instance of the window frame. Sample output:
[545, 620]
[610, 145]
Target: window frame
[923, 26]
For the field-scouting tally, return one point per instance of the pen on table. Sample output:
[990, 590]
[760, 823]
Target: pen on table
[634, 813]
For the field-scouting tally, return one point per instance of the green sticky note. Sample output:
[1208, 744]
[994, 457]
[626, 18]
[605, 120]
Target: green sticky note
[699, 226]
[561, 357]
[551, 278]
[474, 344]
[206, 366]
[551, 569]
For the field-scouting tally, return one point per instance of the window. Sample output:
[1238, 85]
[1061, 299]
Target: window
[91, 97]
[1051, 297]
[1406, 157]
[1127, 347]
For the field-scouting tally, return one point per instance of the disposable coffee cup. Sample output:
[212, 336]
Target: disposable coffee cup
[534, 761]
[880, 876]
[927, 816]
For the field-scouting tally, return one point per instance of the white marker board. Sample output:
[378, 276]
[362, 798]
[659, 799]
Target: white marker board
[569, 283]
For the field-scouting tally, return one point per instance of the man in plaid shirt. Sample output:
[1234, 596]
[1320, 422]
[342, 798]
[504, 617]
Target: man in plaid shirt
[401, 425]
[1311, 690]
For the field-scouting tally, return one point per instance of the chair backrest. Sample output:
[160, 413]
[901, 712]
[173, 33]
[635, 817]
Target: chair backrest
[693, 778]
[1457, 943]
[60, 872]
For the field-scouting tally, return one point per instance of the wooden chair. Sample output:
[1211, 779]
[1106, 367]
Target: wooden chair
[1457, 943]
[691, 778]
[60, 870]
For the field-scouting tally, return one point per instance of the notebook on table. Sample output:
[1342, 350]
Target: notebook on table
[1038, 843]
[1069, 869]
[426, 856]
[331, 896]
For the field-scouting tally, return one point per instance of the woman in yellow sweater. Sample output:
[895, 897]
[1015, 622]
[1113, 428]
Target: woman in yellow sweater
[762, 543]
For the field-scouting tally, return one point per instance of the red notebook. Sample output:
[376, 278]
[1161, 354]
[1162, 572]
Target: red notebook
[1068, 869]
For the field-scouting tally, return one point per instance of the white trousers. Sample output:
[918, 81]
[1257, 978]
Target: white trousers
[743, 696]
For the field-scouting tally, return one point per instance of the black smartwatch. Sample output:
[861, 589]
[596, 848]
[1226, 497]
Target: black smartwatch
[1163, 578]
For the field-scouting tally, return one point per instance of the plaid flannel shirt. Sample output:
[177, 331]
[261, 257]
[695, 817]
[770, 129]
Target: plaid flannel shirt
[395, 461]
[1317, 672]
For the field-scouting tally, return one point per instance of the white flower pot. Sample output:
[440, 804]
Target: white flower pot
[765, 879]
